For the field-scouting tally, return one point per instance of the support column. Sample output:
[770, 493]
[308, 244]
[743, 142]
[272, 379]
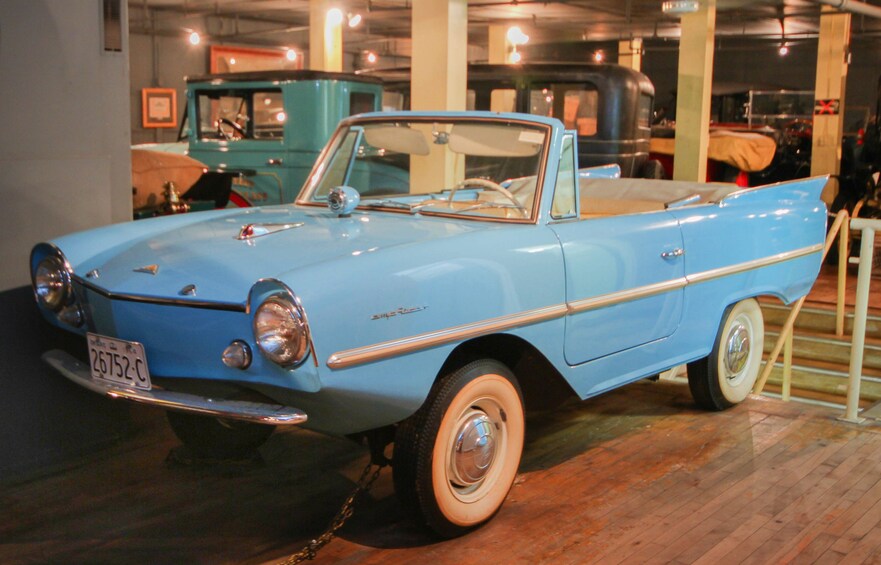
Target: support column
[440, 55]
[438, 80]
[829, 89]
[499, 51]
[498, 45]
[693, 97]
[630, 53]
[325, 36]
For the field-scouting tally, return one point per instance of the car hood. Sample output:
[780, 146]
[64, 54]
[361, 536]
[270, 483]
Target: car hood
[208, 254]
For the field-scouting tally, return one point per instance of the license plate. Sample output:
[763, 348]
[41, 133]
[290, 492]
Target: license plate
[118, 361]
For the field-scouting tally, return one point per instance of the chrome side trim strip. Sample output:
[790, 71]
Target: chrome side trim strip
[370, 353]
[754, 264]
[207, 304]
[391, 348]
[255, 412]
[626, 295]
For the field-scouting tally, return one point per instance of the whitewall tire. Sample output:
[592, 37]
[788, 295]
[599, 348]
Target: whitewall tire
[727, 375]
[455, 460]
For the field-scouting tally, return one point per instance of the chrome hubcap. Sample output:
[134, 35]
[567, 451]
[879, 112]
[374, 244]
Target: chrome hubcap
[736, 350]
[474, 449]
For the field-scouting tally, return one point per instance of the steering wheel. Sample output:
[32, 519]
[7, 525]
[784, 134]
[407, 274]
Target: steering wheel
[236, 129]
[485, 183]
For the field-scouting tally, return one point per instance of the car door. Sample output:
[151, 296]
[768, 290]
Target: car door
[624, 281]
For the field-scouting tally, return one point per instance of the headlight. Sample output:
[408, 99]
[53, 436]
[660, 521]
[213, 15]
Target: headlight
[280, 331]
[52, 283]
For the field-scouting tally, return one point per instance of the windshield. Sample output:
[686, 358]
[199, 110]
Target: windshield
[468, 168]
[236, 114]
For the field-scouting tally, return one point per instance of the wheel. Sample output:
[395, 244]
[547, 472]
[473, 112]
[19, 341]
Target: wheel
[455, 459]
[218, 438]
[728, 374]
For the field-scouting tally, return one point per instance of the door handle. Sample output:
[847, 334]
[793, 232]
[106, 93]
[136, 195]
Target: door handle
[275, 162]
[678, 252]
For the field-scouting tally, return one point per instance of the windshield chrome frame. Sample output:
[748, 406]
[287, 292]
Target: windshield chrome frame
[310, 184]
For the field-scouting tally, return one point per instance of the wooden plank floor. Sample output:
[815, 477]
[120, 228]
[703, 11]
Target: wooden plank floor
[636, 476]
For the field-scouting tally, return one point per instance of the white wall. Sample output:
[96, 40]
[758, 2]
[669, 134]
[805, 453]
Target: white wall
[64, 165]
[64, 149]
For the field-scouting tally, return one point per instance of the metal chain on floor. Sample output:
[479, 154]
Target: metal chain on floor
[311, 549]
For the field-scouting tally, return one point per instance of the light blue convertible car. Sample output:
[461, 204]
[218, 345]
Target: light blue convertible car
[438, 273]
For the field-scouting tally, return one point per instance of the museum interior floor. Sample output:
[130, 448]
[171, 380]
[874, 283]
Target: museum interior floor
[638, 475]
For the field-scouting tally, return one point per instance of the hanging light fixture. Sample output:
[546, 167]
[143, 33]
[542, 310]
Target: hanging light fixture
[516, 36]
[515, 57]
[354, 19]
[194, 38]
[783, 50]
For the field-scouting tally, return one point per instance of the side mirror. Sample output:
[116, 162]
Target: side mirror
[342, 200]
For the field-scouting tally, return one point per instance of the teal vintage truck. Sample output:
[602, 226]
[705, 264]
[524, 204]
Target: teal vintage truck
[258, 134]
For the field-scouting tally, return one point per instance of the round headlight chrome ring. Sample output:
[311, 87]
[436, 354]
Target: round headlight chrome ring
[52, 283]
[281, 331]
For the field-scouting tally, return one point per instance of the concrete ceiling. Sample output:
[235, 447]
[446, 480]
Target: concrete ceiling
[268, 21]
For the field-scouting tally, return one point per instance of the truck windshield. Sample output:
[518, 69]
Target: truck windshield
[237, 114]
[468, 168]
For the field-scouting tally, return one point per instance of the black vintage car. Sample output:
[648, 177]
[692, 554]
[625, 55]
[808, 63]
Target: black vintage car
[609, 105]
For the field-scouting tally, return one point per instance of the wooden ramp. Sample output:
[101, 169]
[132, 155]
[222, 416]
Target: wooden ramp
[636, 476]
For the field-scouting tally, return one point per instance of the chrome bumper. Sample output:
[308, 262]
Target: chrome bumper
[255, 412]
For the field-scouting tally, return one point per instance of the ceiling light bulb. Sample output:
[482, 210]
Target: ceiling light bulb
[598, 57]
[354, 20]
[334, 17]
[372, 58]
[516, 57]
[784, 50]
[291, 55]
[195, 38]
[516, 36]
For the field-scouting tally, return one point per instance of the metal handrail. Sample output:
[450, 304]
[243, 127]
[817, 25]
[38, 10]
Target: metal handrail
[840, 224]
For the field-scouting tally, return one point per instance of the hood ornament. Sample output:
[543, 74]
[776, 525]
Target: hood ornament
[149, 269]
[173, 203]
[189, 290]
[250, 231]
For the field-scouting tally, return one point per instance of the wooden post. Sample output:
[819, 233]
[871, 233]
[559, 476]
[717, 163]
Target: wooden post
[438, 81]
[497, 50]
[860, 313]
[832, 52]
[693, 96]
[786, 389]
[630, 53]
[325, 36]
[843, 249]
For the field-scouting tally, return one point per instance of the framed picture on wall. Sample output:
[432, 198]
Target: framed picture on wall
[226, 59]
[159, 107]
